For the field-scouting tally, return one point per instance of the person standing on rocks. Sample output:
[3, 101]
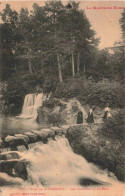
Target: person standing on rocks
[90, 118]
[107, 113]
[79, 117]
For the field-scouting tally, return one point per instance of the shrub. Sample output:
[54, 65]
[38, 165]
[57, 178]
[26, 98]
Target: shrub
[51, 103]
[114, 127]
[17, 88]
[90, 92]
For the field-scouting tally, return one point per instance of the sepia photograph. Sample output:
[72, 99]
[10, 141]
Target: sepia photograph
[62, 98]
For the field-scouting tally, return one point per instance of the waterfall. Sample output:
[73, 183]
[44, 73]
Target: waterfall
[31, 103]
[55, 165]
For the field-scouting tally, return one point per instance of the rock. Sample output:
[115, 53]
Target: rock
[39, 143]
[13, 141]
[32, 145]
[4, 150]
[7, 180]
[32, 136]
[21, 148]
[58, 130]
[65, 128]
[6, 166]
[42, 134]
[96, 148]
[9, 156]
[120, 172]
[25, 137]
[9, 140]
[49, 133]
[21, 169]
[54, 118]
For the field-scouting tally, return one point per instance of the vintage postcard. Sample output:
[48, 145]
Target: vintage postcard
[62, 69]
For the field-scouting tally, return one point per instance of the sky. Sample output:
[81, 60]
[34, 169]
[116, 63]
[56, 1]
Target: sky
[104, 21]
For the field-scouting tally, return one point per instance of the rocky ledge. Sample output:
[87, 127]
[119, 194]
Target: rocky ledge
[106, 152]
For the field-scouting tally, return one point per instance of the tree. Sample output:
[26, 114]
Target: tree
[81, 35]
[8, 41]
[122, 22]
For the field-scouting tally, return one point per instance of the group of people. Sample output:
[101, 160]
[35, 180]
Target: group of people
[90, 117]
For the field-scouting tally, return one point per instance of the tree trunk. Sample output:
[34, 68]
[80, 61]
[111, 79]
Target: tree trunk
[73, 67]
[78, 63]
[29, 65]
[84, 69]
[42, 69]
[59, 68]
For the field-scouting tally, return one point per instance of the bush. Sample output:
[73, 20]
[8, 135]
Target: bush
[17, 88]
[114, 127]
[49, 84]
[90, 92]
[51, 103]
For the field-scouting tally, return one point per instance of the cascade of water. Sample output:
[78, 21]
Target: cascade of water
[31, 104]
[55, 164]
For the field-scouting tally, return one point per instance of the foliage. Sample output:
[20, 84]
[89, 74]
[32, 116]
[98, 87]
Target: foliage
[51, 103]
[40, 48]
[43, 39]
[17, 88]
[54, 119]
[122, 22]
[90, 92]
[49, 84]
[114, 127]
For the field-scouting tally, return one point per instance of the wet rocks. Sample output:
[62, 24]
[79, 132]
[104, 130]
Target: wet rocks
[106, 152]
[7, 180]
[58, 130]
[6, 166]
[21, 169]
[9, 155]
[32, 136]
[120, 171]
[20, 142]
[13, 141]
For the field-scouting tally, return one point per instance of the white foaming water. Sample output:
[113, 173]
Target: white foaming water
[56, 164]
[31, 103]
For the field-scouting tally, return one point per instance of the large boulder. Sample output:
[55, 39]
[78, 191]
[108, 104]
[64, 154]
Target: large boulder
[21, 168]
[44, 134]
[58, 130]
[7, 166]
[87, 141]
[13, 141]
[9, 155]
[23, 137]
[32, 136]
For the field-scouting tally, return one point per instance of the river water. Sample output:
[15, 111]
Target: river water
[55, 165]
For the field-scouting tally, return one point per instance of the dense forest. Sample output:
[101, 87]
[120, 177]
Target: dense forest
[54, 49]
